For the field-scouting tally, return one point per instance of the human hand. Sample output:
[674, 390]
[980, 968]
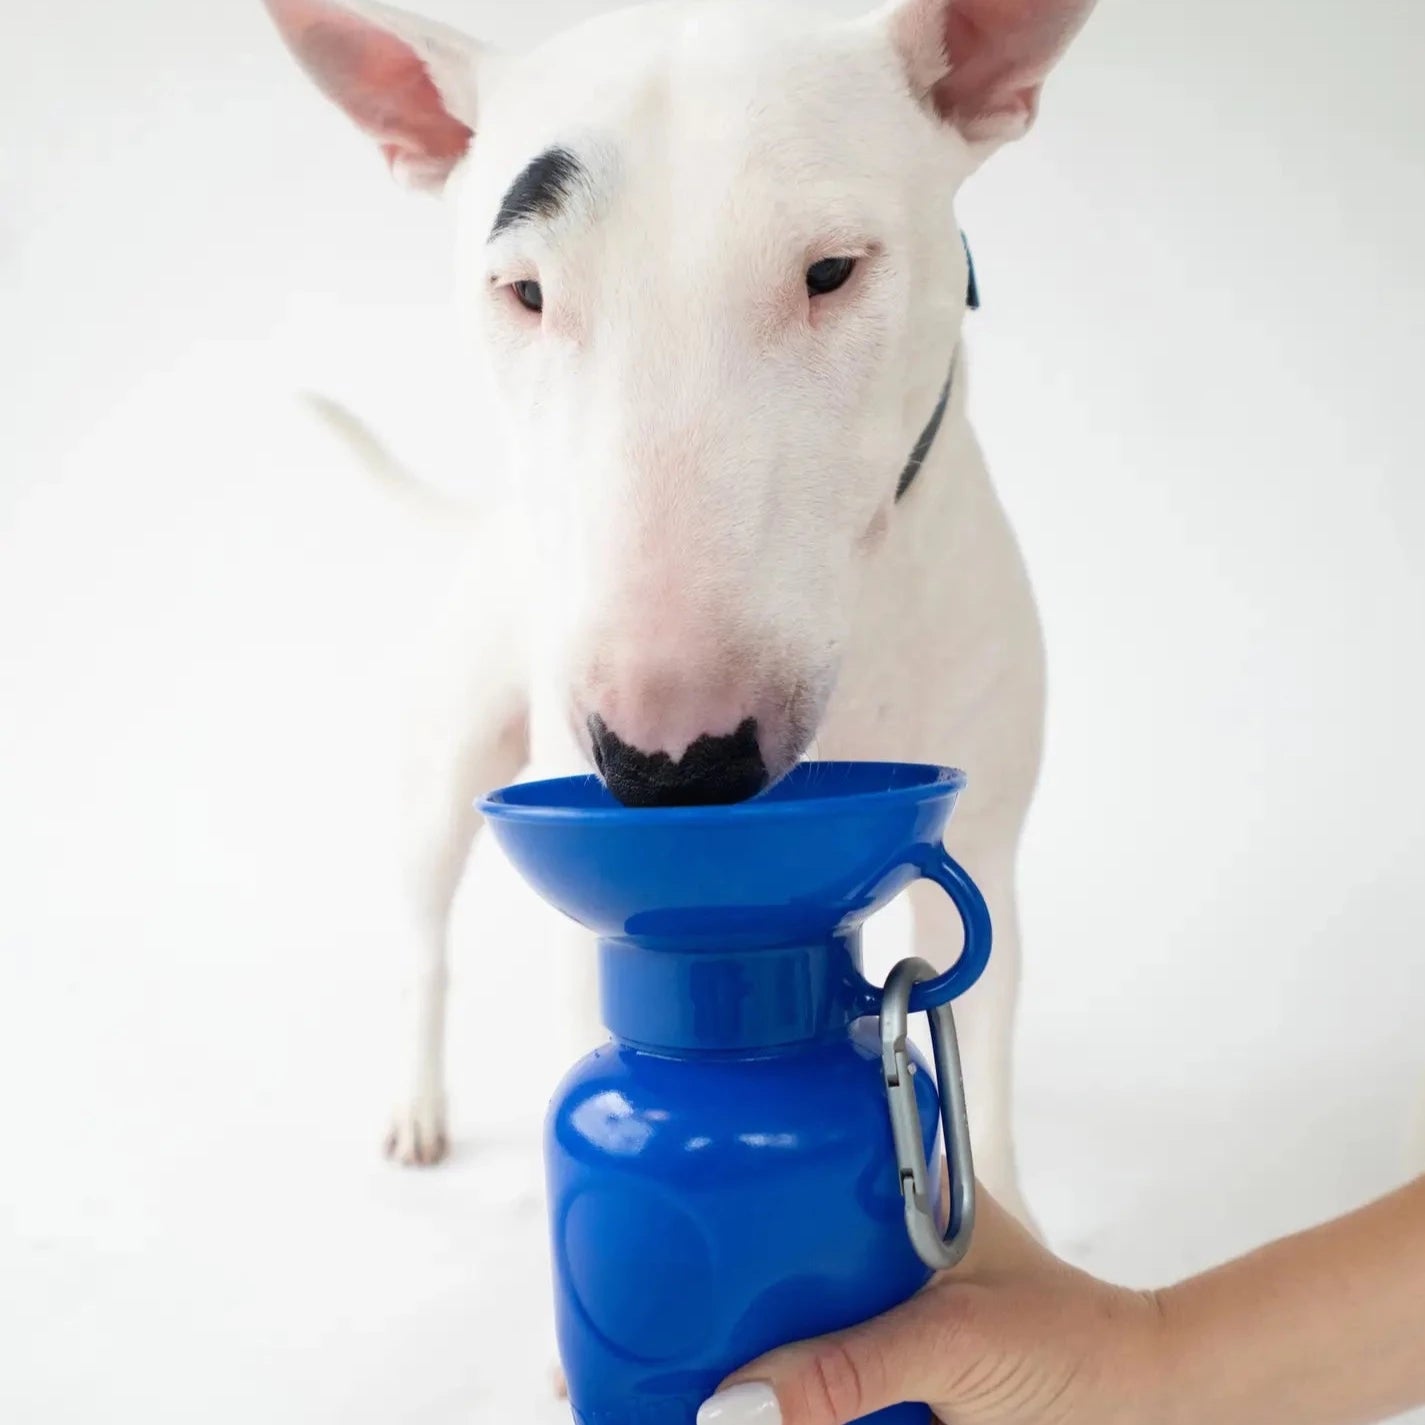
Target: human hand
[1012, 1335]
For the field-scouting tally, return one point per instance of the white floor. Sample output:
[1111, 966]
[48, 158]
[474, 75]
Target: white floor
[1202, 278]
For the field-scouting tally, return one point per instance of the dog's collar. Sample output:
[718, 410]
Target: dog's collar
[932, 427]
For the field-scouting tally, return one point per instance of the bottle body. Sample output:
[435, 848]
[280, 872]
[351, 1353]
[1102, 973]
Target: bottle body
[708, 1207]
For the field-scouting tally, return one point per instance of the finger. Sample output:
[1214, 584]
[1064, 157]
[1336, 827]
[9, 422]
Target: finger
[908, 1354]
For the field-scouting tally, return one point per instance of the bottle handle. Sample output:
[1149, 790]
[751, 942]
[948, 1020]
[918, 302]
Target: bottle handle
[939, 866]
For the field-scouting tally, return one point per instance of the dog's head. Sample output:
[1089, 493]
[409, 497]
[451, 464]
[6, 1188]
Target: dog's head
[711, 253]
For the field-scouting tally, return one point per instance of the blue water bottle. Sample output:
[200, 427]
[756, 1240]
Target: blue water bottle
[753, 1157]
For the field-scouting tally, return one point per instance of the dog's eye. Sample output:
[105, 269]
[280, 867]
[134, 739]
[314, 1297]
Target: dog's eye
[530, 295]
[829, 274]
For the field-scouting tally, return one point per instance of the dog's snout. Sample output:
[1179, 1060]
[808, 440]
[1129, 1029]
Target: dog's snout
[712, 771]
[675, 712]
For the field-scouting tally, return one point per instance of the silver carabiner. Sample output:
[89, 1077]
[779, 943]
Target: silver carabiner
[937, 1252]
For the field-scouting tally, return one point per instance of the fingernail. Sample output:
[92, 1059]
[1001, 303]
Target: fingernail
[751, 1403]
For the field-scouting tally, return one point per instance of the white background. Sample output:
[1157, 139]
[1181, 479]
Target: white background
[1197, 377]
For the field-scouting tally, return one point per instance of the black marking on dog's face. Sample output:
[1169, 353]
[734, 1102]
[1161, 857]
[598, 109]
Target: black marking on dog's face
[540, 191]
[714, 771]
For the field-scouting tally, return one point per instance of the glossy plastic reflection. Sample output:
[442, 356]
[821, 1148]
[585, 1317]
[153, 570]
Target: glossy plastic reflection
[722, 1177]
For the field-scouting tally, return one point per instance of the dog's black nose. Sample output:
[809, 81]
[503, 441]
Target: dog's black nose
[714, 770]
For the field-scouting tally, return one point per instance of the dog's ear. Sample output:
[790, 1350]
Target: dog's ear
[407, 82]
[980, 64]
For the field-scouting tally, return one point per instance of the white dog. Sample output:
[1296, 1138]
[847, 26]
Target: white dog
[711, 253]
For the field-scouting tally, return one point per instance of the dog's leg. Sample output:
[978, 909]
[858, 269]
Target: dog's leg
[984, 1020]
[469, 734]
[440, 826]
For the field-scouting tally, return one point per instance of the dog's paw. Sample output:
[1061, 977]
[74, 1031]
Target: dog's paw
[417, 1136]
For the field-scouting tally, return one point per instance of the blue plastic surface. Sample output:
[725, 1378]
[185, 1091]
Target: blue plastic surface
[722, 1177]
[813, 857]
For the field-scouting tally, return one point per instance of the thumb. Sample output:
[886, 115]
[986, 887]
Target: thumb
[910, 1353]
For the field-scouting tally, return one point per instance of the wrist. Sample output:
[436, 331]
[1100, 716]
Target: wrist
[1194, 1370]
[1147, 1374]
